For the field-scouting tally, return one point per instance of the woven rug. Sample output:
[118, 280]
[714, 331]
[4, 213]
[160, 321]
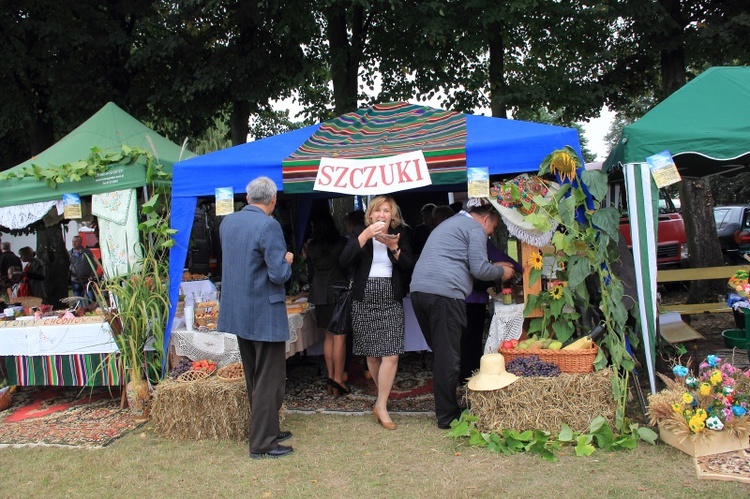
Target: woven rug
[63, 416]
[412, 389]
[732, 466]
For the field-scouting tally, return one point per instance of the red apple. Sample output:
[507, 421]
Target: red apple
[508, 344]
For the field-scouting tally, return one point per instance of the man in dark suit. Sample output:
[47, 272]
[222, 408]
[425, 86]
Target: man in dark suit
[256, 265]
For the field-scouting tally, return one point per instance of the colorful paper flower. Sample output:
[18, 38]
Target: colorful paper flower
[715, 378]
[714, 423]
[691, 382]
[680, 371]
[712, 360]
[739, 411]
[705, 389]
[687, 398]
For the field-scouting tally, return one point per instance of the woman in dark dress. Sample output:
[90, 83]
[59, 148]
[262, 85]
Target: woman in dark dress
[380, 255]
[323, 268]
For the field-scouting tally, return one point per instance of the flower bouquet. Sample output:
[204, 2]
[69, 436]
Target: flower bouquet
[707, 413]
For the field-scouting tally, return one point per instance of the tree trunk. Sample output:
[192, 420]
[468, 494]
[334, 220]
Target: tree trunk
[345, 56]
[240, 122]
[50, 248]
[703, 245]
[41, 134]
[497, 72]
[673, 75]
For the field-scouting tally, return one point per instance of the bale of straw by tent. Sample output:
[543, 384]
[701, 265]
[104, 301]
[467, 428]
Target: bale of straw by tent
[209, 409]
[545, 403]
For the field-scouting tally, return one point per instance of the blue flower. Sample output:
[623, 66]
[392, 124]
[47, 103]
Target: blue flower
[680, 371]
[738, 411]
[712, 360]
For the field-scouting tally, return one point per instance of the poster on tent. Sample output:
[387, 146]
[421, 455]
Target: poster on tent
[372, 176]
[478, 182]
[224, 201]
[72, 206]
[663, 169]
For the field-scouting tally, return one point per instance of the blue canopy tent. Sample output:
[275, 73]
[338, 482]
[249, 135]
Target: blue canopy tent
[504, 146]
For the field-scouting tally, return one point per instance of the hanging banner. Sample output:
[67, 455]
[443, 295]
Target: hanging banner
[663, 169]
[224, 201]
[372, 176]
[478, 180]
[71, 206]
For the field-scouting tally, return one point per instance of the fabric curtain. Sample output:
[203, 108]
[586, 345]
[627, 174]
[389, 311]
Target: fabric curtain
[643, 199]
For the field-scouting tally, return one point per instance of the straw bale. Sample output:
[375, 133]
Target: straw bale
[545, 403]
[209, 409]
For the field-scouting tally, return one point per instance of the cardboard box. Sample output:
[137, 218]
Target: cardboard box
[716, 443]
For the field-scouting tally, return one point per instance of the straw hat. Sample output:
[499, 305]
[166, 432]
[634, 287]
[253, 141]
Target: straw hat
[492, 374]
[514, 212]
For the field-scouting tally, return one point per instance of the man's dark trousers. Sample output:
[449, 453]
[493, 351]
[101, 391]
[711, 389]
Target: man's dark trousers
[265, 375]
[442, 321]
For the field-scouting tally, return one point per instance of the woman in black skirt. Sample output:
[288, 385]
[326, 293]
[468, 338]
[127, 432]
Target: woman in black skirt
[323, 270]
[381, 257]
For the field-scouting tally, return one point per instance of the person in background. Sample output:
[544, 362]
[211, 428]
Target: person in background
[256, 266]
[455, 255]
[441, 213]
[323, 270]
[12, 278]
[34, 273]
[381, 258]
[83, 265]
[422, 231]
[476, 313]
[457, 206]
[8, 259]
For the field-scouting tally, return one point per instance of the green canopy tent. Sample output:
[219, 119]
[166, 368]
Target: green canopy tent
[109, 129]
[705, 126]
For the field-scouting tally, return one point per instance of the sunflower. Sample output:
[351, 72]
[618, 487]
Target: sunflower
[557, 292]
[535, 260]
[563, 164]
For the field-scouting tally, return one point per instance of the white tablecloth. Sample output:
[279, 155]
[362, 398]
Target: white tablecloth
[507, 324]
[222, 347]
[53, 336]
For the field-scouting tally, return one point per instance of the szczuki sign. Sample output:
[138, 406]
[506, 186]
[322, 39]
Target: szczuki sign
[372, 176]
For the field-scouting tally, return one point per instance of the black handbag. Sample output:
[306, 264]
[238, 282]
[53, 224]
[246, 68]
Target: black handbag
[341, 318]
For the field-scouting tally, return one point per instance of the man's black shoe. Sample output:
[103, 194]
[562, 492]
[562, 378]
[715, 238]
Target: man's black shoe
[444, 426]
[283, 435]
[279, 451]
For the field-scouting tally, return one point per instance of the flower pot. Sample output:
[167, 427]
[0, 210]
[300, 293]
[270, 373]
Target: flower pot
[138, 396]
[713, 442]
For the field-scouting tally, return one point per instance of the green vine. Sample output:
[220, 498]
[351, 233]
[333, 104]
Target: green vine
[509, 442]
[97, 162]
[584, 246]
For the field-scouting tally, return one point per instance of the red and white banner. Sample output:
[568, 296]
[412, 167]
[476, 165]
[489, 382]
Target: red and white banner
[372, 176]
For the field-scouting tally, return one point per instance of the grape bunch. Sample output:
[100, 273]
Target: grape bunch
[183, 366]
[532, 366]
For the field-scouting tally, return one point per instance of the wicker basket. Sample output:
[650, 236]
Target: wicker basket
[569, 361]
[190, 376]
[6, 399]
[231, 372]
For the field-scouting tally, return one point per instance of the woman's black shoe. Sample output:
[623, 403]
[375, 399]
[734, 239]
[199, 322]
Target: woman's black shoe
[339, 390]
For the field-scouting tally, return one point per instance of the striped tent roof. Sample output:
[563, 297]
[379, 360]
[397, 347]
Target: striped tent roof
[379, 131]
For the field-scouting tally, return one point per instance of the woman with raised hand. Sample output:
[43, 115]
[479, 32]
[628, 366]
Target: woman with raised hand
[380, 256]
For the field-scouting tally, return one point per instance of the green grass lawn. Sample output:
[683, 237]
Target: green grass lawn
[347, 457]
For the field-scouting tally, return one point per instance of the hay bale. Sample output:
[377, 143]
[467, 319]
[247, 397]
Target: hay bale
[545, 403]
[209, 409]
